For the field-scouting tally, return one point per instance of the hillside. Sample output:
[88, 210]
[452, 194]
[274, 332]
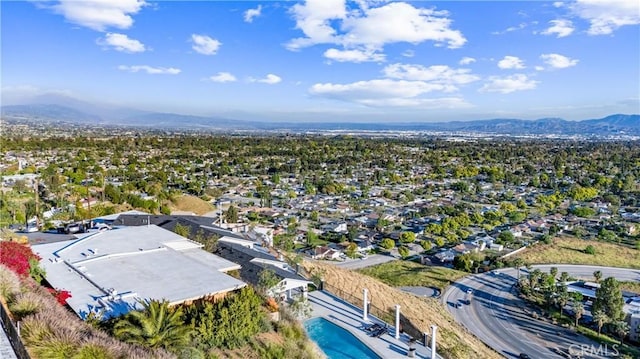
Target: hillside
[570, 250]
[454, 340]
[187, 203]
[74, 113]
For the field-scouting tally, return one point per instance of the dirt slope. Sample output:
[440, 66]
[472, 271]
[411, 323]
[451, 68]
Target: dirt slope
[454, 342]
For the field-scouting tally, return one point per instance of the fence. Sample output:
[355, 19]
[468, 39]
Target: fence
[386, 315]
[12, 334]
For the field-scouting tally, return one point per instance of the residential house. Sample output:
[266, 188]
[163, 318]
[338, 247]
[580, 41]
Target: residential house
[324, 252]
[109, 272]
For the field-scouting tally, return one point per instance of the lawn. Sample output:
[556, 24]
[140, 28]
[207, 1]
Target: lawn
[570, 250]
[405, 273]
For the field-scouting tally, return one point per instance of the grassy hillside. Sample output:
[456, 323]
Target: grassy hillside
[455, 341]
[190, 204]
[570, 250]
[404, 273]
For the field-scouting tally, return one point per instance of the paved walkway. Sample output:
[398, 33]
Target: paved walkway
[349, 317]
[6, 350]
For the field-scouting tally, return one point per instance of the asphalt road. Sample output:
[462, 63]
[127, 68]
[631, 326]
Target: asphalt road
[504, 322]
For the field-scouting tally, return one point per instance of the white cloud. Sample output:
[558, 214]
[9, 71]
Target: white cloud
[466, 60]
[204, 44]
[150, 69]
[558, 61]
[443, 75]
[404, 85]
[355, 55]
[408, 53]
[369, 26]
[250, 14]
[560, 27]
[270, 79]
[121, 42]
[223, 77]
[99, 14]
[511, 62]
[510, 29]
[508, 84]
[606, 16]
[386, 92]
[539, 68]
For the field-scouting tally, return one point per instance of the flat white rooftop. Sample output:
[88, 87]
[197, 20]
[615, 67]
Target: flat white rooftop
[111, 270]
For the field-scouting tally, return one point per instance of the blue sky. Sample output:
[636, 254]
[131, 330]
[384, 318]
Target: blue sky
[329, 60]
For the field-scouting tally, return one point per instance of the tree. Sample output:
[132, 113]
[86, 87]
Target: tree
[231, 216]
[407, 237]
[505, 237]
[351, 250]
[426, 245]
[387, 243]
[518, 262]
[609, 299]
[578, 311]
[597, 275]
[600, 318]
[403, 251]
[312, 237]
[590, 249]
[156, 326]
[463, 262]
[562, 297]
[621, 328]
[554, 272]
[267, 280]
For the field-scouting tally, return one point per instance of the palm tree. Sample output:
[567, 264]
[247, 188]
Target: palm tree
[578, 310]
[518, 262]
[600, 318]
[621, 328]
[156, 326]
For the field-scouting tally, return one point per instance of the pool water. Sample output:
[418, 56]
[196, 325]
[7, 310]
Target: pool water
[337, 342]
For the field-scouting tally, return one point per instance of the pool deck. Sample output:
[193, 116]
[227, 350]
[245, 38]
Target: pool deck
[349, 317]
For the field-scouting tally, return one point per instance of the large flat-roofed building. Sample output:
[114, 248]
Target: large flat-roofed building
[110, 271]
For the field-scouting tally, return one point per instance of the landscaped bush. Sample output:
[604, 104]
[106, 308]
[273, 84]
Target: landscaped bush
[94, 351]
[26, 304]
[9, 284]
[16, 257]
[229, 323]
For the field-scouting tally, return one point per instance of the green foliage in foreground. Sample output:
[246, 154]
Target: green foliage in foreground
[157, 326]
[229, 323]
[404, 273]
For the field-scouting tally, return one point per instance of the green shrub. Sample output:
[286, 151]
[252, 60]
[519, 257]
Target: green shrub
[26, 304]
[93, 351]
[590, 250]
[33, 330]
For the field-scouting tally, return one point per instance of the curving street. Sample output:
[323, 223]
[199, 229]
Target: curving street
[504, 322]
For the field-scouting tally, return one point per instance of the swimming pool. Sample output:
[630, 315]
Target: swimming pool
[337, 342]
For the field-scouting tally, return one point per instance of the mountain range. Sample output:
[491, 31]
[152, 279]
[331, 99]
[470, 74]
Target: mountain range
[82, 113]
